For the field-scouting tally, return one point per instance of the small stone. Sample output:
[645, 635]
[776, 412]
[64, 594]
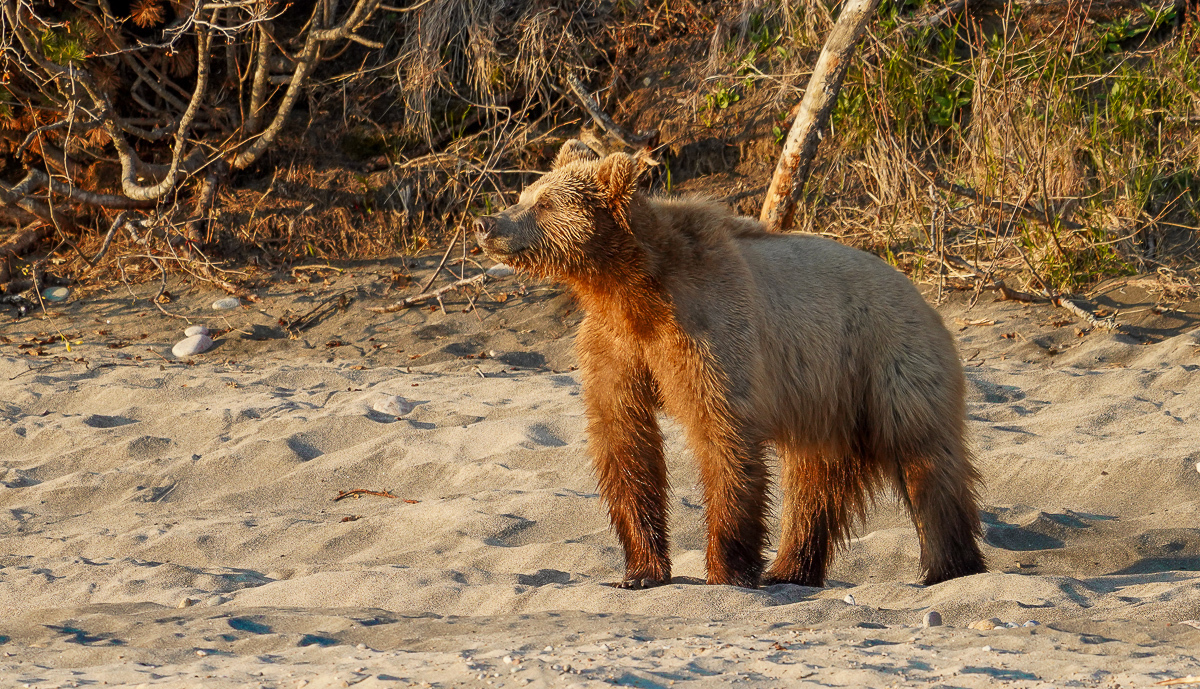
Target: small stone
[849, 598]
[187, 603]
[192, 345]
[933, 618]
[548, 649]
[201, 653]
[196, 330]
[1011, 625]
[226, 303]
[646, 81]
[361, 647]
[500, 270]
[984, 625]
[56, 293]
[508, 660]
[987, 649]
[215, 601]
[394, 405]
[1197, 466]
[1031, 623]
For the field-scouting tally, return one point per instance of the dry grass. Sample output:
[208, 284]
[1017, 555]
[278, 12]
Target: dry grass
[1082, 118]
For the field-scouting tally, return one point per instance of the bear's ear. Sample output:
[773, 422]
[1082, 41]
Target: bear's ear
[617, 177]
[572, 152]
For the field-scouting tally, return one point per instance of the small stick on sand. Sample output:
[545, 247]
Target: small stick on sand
[1190, 679]
[436, 294]
[343, 494]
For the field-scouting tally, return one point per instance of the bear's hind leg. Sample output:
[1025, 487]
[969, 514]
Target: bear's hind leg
[814, 519]
[938, 487]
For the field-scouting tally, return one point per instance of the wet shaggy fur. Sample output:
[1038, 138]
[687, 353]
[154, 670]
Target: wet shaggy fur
[748, 339]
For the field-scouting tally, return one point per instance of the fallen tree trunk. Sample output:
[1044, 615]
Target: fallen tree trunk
[819, 98]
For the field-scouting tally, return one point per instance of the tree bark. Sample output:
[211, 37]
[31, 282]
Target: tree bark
[26, 241]
[819, 98]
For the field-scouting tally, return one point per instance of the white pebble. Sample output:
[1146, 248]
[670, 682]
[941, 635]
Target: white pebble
[215, 601]
[500, 270]
[933, 618]
[1031, 623]
[226, 303]
[55, 293]
[196, 330]
[201, 653]
[394, 405]
[548, 649]
[361, 647]
[987, 649]
[849, 598]
[187, 603]
[508, 660]
[1011, 625]
[192, 345]
[1197, 466]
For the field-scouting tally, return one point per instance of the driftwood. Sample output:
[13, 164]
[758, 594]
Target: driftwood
[639, 140]
[820, 96]
[1009, 294]
[1080, 311]
[426, 296]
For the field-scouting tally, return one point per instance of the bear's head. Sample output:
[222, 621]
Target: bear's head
[569, 223]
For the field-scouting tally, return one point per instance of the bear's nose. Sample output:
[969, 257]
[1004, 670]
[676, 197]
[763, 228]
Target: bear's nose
[484, 226]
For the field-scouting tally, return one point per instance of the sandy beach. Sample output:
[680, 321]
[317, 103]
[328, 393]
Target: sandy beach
[174, 522]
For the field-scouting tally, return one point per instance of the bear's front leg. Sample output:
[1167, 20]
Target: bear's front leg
[626, 446]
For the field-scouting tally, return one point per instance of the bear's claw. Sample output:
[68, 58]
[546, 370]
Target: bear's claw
[638, 584]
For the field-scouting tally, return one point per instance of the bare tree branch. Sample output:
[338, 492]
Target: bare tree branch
[787, 184]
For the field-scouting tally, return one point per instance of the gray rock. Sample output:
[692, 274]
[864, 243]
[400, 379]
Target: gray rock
[56, 293]
[1031, 623]
[192, 345]
[196, 330]
[215, 601]
[226, 303]
[933, 618]
[394, 405]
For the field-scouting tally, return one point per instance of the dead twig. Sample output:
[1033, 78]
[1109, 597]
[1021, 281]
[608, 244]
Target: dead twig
[1190, 679]
[343, 494]
[295, 325]
[1021, 209]
[436, 294]
[639, 140]
[1009, 294]
[442, 263]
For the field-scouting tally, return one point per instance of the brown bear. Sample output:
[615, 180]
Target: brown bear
[747, 338]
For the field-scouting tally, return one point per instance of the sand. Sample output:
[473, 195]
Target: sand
[132, 483]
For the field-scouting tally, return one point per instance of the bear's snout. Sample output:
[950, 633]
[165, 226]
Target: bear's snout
[484, 227]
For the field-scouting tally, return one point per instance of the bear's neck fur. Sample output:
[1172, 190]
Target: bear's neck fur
[629, 288]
